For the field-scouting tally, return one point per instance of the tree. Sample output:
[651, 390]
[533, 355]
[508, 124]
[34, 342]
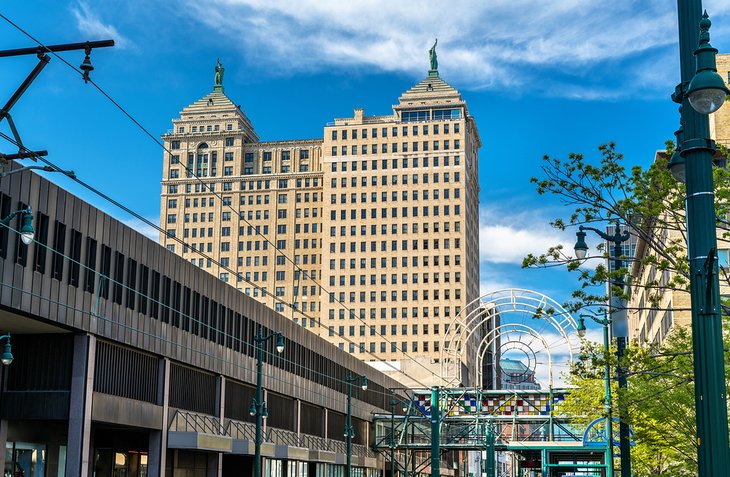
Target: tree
[660, 401]
[649, 201]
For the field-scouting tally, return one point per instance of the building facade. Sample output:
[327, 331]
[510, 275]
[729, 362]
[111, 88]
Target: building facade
[368, 236]
[130, 360]
[515, 374]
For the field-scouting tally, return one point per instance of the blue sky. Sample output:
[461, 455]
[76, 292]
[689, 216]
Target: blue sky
[540, 77]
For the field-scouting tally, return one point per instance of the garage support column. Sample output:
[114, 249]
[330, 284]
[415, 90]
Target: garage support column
[3, 440]
[215, 459]
[79, 419]
[157, 459]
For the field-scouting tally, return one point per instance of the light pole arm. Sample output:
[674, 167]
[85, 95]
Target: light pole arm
[599, 321]
[263, 339]
[617, 238]
[6, 220]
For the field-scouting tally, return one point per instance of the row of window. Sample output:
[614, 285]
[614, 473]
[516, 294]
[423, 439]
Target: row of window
[424, 211]
[424, 129]
[226, 216]
[406, 162]
[228, 171]
[207, 128]
[414, 228]
[383, 261]
[405, 195]
[371, 330]
[393, 347]
[373, 312]
[415, 295]
[363, 148]
[344, 280]
[260, 184]
[394, 246]
[284, 169]
[394, 180]
[260, 215]
[284, 155]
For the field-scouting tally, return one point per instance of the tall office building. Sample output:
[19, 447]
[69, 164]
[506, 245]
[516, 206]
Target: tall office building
[368, 236]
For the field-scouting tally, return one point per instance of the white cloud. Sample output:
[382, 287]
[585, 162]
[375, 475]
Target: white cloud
[545, 45]
[145, 229]
[89, 23]
[488, 284]
[507, 237]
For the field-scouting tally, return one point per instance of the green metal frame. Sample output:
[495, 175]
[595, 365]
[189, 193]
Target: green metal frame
[423, 437]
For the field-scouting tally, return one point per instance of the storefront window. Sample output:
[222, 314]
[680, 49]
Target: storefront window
[110, 463]
[273, 468]
[23, 459]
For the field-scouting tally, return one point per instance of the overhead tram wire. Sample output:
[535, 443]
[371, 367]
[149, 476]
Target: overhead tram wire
[178, 240]
[179, 345]
[211, 329]
[157, 141]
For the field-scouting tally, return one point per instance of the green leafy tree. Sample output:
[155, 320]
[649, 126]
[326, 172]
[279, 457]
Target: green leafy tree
[659, 399]
[660, 395]
[648, 200]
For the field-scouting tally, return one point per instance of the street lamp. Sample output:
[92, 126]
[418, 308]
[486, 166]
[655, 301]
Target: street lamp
[700, 92]
[26, 230]
[258, 405]
[619, 323]
[676, 162]
[707, 90]
[7, 356]
[606, 322]
[349, 430]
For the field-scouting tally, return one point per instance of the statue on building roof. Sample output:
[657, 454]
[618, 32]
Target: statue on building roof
[432, 56]
[218, 81]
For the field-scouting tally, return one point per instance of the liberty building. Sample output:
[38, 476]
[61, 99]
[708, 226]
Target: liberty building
[367, 236]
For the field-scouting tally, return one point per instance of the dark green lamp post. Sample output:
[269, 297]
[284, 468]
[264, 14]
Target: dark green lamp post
[619, 323]
[258, 406]
[26, 230]
[607, 382]
[701, 92]
[349, 430]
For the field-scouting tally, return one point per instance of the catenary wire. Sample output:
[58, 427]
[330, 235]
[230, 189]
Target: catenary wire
[180, 241]
[211, 329]
[151, 136]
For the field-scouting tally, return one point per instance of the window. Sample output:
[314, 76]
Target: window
[229, 141]
[723, 258]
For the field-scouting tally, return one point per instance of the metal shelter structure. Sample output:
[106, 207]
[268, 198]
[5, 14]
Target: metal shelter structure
[509, 410]
[428, 423]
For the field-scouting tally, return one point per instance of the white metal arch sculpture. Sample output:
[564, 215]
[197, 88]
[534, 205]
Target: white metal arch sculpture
[479, 327]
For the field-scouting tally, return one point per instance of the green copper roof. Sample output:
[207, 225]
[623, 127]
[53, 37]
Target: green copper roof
[512, 365]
